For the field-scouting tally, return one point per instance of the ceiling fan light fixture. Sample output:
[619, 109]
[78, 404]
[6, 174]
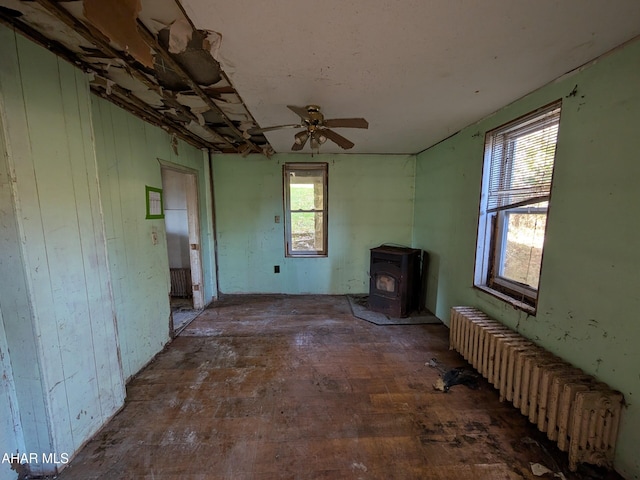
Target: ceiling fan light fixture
[318, 137]
[301, 137]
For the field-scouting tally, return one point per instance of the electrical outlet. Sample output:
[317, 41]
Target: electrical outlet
[277, 218]
[276, 269]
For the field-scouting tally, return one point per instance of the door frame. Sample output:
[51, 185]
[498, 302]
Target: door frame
[193, 220]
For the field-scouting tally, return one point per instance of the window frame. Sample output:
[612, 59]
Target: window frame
[496, 281]
[493, 222]
[287, 169]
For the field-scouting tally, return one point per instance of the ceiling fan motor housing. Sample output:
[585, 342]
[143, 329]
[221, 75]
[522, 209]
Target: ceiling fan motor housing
[316, 118]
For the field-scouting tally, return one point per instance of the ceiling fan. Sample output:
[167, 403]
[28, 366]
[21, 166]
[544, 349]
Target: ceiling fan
[317, 129]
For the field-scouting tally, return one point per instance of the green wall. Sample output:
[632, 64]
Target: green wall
[77, 251]
[55, 295]
[589, 299]
[11, 436]
[128, 152]
[83, 286]
[11, 433]
[370, 203]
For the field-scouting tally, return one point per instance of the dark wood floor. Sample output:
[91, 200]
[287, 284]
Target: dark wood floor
[295, 387]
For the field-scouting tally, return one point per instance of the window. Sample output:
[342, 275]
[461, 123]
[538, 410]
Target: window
[516, 188]
[305, 206]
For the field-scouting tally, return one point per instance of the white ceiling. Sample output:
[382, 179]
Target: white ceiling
[417, 70]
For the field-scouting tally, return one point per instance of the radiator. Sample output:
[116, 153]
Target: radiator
[579, 413]
[180, 282]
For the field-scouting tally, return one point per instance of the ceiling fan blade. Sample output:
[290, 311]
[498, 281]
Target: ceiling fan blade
[256, 131]
[300, 111]
[346, 123]
[337, 138]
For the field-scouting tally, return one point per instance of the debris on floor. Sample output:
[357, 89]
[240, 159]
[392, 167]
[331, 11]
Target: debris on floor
[250, 390]
[539, 470]
[455, 376]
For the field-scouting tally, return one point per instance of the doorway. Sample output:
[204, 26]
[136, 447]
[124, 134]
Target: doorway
[180, 195]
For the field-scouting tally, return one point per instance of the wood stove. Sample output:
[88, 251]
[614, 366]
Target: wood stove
[394, 286]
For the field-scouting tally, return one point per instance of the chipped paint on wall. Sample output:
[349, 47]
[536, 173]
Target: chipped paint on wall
[58, 318]
[589, 279]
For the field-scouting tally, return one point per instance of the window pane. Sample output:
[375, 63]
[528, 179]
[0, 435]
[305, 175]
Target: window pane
[531, 166]
[306, 191]
[533, 157]
[305, 203]
[521, 162]
[522, 254]
[306, 231]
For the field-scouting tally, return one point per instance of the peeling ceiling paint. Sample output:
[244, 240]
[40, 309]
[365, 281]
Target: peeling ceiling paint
[148, 58]
[118, 20]
[213, 72]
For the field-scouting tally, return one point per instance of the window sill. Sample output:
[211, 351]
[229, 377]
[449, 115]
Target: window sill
[506, 298]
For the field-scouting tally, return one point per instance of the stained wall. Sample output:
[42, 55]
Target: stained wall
[588, 297]
[370, 202]
[129, 154]
[84, 276]
[55, 296]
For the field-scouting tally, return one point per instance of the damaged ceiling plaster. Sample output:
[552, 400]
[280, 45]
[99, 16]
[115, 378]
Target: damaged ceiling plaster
[148, 58]
[417, 71]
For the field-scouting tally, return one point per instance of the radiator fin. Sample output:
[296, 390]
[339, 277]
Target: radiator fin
[180, 282]
[581, 414]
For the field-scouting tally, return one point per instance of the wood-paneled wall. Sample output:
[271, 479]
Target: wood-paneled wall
[56, 295]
